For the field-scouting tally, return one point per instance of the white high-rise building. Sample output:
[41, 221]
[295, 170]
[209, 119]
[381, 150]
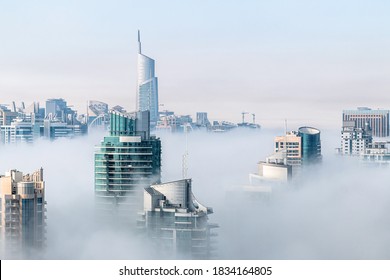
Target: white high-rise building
[147, 86]
[177, 222]
[354, 140]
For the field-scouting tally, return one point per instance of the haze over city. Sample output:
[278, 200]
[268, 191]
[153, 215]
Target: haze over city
[295, 65]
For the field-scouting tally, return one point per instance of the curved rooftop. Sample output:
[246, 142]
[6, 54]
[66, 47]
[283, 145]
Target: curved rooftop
[308, 130]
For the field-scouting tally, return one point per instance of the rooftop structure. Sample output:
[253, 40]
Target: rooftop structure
[176, 222]
[311, 144]
[22, 212]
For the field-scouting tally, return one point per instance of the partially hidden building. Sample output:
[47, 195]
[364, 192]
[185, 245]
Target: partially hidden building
[22, 211]
[177, 222]
[378, 120]
[300, 147]
[354, 140]
[28, 124]
[127, 161]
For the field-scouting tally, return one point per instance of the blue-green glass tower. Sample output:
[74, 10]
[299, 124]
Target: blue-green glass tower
[127, 161]
[311, 144]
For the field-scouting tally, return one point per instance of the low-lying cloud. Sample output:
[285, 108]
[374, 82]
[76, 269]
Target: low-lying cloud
[338, 210]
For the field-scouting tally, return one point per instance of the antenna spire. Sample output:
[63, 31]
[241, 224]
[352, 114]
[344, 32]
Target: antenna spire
[285, 126]
[139, 41]
[185, 156]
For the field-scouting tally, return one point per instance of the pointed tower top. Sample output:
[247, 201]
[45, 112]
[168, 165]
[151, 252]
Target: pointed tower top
[139, 41]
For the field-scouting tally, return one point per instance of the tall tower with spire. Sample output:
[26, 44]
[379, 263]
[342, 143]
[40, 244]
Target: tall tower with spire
[147, 86]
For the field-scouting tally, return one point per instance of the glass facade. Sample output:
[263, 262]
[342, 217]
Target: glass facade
[126, 162]
[311, 144]
[147, 85]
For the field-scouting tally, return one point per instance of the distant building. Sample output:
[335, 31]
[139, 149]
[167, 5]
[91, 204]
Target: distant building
[6, 115]
[222, 126]
[273, 169]
[97, 115]
[167, 123]
[147, 86]
[56, 109]
[19, 131]
[174, 123]
[202, 120]
[127, 161]
[354, 140]
[300, 147]
[26, 125]
[377, 120]
[176, 222]
[311, 144]
[56, 129]
[291, 145]
[273, 172]
[377, 152]
[22, 211]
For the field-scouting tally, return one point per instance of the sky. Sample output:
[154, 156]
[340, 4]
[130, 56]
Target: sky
[304, 61]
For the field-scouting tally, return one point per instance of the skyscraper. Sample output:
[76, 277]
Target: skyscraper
[22, 212]
[311, 144]
[290, 145]
[176, 222]
[56, 108]
[354, 140]
[127, 161]
[147, 87]
[300, 147]
[377, 120]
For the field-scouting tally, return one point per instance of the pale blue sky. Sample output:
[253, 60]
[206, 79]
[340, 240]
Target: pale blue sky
[301, 60]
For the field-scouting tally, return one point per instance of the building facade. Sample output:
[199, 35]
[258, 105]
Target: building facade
[147, 85]
[300, 147]
[378, 120]
[202, 119]
[176, 222]
[311, 144]
[25, 125]
[22, 209]
[291, 145]
[127, 161]
[354, 140]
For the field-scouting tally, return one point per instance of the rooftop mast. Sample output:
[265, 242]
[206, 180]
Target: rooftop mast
[139, 41]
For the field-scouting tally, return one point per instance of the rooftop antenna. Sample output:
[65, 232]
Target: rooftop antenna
[285, 126]
[185, 156]
[86, 121]
[139, 41]
[285, 140]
